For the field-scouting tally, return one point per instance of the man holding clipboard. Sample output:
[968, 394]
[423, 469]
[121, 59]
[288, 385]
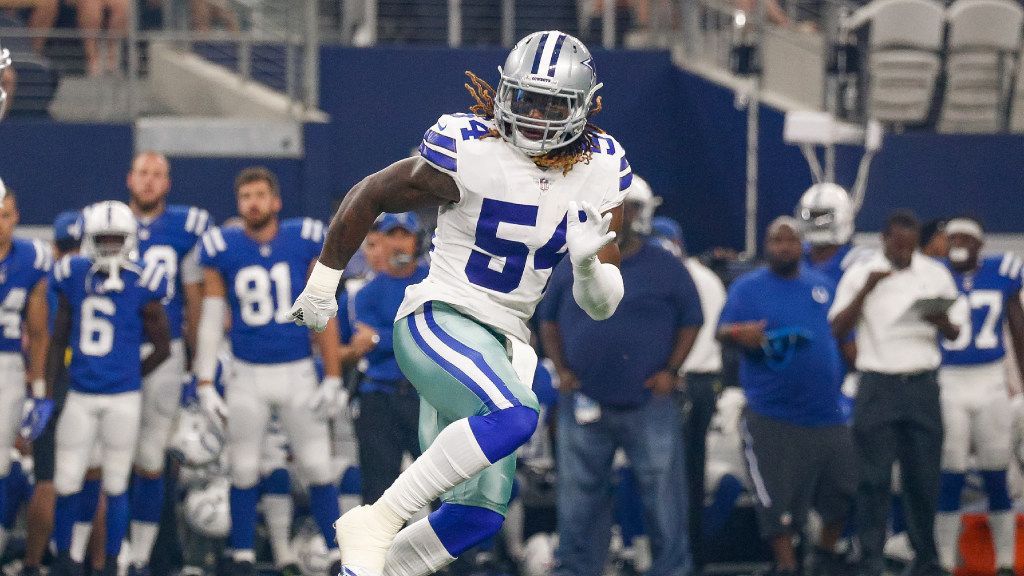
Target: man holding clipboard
[897, 302]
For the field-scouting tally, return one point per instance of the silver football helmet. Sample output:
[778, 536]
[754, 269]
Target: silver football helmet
[207, 509]
[546, 92]
[5, 61]
[826, 214]
[110, 240]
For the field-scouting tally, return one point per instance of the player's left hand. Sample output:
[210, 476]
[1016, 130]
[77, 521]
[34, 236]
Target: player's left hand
[662, 383]
[314, 310]
[585, 239]
[35, 414]
[329, 399]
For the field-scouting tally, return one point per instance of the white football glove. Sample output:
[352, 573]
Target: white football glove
[329, 399]
[212, 404]
[585, 239]
[318, 302]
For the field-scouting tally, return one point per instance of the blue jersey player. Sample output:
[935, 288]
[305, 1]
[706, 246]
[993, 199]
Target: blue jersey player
[975, 398]
[257, 270]
[107, 307]
[23, 309]
[168, 237]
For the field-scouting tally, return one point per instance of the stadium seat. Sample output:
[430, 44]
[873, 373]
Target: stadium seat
[981, 51]
[1017, 107]
[905, 39]
[37, 84]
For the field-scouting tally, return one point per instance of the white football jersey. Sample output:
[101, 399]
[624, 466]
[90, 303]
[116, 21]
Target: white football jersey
[495, 248]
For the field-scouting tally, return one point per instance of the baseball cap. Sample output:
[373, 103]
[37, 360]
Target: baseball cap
[665, 227]
[67, 227]
[406, 220]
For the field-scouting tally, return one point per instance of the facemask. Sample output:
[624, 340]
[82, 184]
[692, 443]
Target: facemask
[959, 254]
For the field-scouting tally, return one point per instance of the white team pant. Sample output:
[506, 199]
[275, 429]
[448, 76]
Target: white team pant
[161, 396]
[12, 398]
[254, 392]
[976, 415]
[110, 421]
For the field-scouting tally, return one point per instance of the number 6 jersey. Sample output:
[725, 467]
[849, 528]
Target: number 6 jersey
[984, 291]
[262, 281]
[495, 248]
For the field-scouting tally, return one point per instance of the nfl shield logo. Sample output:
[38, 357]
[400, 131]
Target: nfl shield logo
[544, 184]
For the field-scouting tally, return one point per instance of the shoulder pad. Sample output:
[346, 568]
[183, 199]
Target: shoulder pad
[306, 228]
[213, 241]
[441, 141]
[38, 251]
[1009, 265]
[191, 219]
[62, 268]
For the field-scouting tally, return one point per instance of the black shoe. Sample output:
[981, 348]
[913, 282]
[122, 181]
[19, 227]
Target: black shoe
[110, 566]
[63, 565]
[243, 568]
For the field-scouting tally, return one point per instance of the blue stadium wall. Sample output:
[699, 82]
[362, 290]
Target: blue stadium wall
[680, 131]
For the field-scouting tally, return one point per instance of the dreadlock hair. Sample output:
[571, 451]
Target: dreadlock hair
[564, 157]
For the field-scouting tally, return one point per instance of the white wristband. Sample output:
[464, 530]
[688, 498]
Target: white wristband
[38, 388]
[323, 280]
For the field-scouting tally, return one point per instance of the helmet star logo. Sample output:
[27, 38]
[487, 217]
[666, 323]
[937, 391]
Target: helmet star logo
[589, 63]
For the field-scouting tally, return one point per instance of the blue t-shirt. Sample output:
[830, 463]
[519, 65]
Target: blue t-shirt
[376, 305]
[106, 327]
[986, 290]
[805, 391]
[25, 265]
[165, 241]
[613, 358]
[262, 281]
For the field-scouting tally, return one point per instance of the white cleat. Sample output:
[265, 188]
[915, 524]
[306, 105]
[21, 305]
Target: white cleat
[364, 536]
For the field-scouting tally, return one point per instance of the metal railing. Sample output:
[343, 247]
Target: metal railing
[274, 43]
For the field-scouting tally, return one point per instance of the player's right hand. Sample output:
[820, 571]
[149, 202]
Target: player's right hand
[212, 404]
[313, 310]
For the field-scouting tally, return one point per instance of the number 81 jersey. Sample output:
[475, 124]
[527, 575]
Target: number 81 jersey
[495, 248]
[984, 293]
[262, 281]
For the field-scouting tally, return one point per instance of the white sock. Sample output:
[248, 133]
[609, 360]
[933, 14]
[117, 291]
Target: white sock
[244, 556]
[80, 540]
[454, 457]
[947, 538]
[277, 514]
[512, 530]
[1004, 536]
[416, 551]
[143, 538]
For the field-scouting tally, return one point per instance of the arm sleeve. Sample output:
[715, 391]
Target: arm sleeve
[191, 271]
[211, 330]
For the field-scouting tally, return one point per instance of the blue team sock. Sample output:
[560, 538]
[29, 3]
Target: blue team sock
[118, 512]
[951, 485]
[147, 498]
[88, 500]
[243, 517]
[323, 502]
[64, 514]
[629, 508]
[351, 481]
[461, 527]
[277, 482]
[718, 512]
[896, 514]
[995, 487]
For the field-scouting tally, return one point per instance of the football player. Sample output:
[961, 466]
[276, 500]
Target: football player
[826, 213]
[23, 309]
[521, 181]
[975, 397]
[257, 269]
[106, 307]
[6, 81]
[67, 236]
[168, 238]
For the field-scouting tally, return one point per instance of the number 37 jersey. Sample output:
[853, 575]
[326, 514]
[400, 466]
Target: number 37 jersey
[262, 282]
[981, 310]
[495, 248]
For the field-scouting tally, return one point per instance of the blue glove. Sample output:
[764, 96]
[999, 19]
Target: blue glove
[189, 394]
[781, 344]
[36, 413]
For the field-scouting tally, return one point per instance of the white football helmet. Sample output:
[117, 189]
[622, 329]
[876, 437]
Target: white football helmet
[826, 214]
[640, 193]
[3, 188]
[549, 74]
[207, 509]
[196, 439]
[311, 551]
[110, 240]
